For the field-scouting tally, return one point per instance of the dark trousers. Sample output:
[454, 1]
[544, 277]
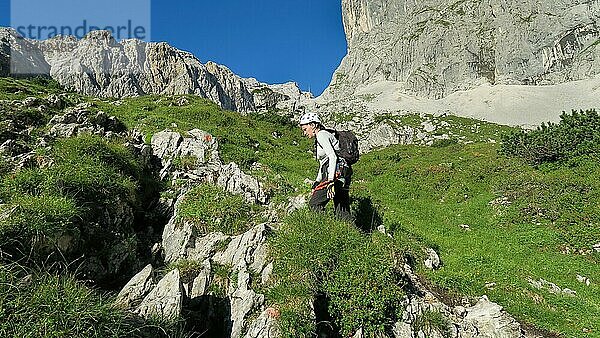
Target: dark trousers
[341, 201]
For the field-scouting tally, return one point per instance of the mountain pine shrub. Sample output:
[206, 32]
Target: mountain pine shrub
[576, 135]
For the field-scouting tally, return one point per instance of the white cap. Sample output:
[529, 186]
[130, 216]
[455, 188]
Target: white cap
[309, 117]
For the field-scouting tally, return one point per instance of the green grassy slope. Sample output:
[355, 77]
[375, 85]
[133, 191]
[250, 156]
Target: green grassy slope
[428, 193]
[524, 222]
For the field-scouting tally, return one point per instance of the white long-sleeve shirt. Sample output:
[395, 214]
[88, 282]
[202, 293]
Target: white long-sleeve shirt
[327, 144]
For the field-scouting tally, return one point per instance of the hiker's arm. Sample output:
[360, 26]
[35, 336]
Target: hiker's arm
[324, 141]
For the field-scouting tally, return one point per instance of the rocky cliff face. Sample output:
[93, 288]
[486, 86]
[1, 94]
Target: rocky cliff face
[98, 65]
[435, 48]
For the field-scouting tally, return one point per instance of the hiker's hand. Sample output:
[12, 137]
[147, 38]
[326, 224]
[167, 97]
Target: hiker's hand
[331, 190]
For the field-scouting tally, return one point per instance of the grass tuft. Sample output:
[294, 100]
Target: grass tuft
[210, 208]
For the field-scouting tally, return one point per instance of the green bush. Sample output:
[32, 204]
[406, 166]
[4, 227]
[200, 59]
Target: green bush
[577, 134]
[317, 254]
[210, 208]
[47, 83]
[365, 287]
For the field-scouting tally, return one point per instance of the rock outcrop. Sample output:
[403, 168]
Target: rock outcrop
[264, 326]
[484, 319]
[285, 97]
[233, 179]
[198, 150]
[19, 56]
[377, 130]
[244, 255]
[195, 159]
[426, 316]
[16, 138]
[134, 291]
[79, 120]
[220, 286]
[165, 300]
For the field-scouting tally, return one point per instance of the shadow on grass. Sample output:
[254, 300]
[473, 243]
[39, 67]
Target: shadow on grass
[325, 324]
[367, 217]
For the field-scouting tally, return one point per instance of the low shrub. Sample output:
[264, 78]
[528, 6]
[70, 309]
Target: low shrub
[365, 287]
[577, 134]
[210, 208]
[46, 82]
[315, 254]
[442, 143]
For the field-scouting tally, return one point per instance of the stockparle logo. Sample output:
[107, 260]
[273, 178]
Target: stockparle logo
[42, 19]
[129, 30]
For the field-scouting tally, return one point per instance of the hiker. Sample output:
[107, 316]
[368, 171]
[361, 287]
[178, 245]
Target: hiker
[333, 177]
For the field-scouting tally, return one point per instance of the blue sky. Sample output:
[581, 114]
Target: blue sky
[275, 41]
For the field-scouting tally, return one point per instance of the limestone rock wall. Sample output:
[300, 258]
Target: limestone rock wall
[438, 47]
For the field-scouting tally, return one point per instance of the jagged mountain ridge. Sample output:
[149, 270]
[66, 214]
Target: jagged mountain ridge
[98, 65]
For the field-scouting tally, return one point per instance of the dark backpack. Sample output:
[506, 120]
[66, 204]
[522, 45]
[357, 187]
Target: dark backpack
[348, 145]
